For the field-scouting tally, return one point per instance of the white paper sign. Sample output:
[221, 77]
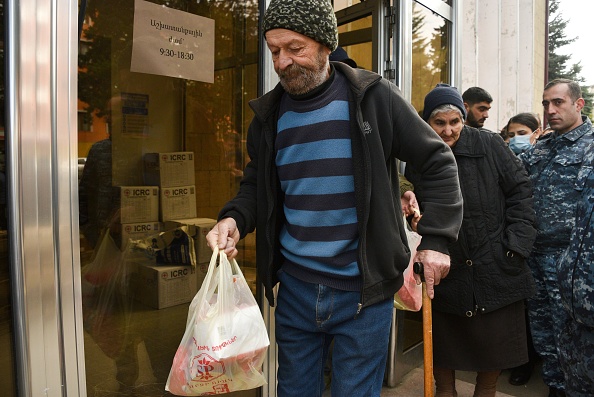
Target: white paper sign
[172, 43]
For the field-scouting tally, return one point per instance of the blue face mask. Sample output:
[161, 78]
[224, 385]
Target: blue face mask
[520, 143]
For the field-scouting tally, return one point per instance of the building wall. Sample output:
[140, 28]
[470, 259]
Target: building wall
[503, 51]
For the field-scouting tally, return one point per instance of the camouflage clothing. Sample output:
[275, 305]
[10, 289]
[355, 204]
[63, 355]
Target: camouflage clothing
[576, 286]
[577, 359]
[555, 167]
[547, 316]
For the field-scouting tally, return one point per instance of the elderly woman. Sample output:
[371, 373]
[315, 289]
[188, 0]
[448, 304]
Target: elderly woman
[478, 309]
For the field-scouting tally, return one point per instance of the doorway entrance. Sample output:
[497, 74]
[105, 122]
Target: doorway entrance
[366, 31]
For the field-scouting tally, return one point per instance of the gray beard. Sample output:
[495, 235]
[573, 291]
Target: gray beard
[299, 80]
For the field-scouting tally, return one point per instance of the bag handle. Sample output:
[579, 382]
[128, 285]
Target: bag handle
[207, 289]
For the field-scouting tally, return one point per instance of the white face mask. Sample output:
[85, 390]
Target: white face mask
[520, 143]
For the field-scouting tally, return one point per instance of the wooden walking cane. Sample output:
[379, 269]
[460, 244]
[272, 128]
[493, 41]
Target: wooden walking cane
[427, 333]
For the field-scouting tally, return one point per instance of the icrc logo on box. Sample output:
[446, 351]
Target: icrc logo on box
[177, 192]
[174, 274]
[137, 192]
[138, 228]
[176, 157]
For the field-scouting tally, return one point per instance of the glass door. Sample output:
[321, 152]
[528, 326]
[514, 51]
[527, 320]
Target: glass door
[424, 32]
[366, 32]
[163, 87]
[359, 27]
[410, 43]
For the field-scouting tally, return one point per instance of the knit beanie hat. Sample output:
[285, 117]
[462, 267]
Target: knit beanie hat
[442, 94]
[312, 18]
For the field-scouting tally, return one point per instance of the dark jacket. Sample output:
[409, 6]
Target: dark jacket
[383, 127]
[488, 269]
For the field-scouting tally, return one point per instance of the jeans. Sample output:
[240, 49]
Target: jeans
[307, 316]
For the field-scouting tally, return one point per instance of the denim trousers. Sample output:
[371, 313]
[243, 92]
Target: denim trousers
[307, 317]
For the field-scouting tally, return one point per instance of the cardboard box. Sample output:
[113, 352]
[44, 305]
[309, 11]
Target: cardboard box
[169, 169]
[178, 203]
[139, 231]
[139, 204]
[165, 286]
[199, 228]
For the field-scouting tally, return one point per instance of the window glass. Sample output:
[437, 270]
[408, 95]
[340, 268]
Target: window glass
[355, 37]
[430, 53]
[137, 283]
[341, 4]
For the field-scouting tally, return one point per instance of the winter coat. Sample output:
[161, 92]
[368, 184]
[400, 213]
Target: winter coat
[488, 269]
[384, 127]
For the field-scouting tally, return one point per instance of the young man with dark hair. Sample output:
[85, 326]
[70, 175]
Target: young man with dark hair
[477, 103]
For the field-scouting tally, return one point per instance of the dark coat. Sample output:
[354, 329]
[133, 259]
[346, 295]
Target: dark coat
[383, 127]
[488, 269]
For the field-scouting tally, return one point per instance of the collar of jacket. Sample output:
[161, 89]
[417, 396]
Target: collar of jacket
[578, 132]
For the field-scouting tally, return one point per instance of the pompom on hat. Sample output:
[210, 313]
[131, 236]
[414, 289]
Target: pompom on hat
[442, 94]
[312, 18]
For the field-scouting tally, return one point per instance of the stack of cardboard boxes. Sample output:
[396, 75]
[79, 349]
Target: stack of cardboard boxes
[164, 205]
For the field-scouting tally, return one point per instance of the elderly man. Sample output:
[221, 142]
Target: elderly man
[320, 190]
[554, 165]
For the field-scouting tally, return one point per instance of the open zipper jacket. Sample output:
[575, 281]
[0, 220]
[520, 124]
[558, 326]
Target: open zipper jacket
[384, 127]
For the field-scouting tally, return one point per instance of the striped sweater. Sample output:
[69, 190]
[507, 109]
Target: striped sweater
[315, 166]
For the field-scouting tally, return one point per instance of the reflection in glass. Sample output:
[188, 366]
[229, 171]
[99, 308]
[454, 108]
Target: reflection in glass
[341, 4]
[430, 53]
[129, 341]
[358, 47]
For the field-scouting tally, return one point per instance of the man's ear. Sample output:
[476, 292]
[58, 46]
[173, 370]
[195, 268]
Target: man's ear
[580, 104]
[467, 107]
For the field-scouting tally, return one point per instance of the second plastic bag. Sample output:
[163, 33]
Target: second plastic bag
[225, 341]
[410, 295]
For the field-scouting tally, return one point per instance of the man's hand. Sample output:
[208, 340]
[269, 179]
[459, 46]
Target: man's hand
[224, 235]
[435, 265]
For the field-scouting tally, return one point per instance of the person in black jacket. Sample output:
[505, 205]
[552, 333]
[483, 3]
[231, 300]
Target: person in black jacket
[321, 190]
[478, 310]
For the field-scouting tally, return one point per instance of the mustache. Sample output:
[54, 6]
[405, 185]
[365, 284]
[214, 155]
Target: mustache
[292, 71]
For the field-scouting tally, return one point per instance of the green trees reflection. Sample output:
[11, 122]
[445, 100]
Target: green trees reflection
[430, 53]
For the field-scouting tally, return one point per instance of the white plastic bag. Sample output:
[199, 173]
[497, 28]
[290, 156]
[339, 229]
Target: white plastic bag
[225, 341]
[410, 295]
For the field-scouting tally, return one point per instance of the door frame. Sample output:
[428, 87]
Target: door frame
[41, 58]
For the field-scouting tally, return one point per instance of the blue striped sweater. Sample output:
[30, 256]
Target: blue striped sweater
[315, 166]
